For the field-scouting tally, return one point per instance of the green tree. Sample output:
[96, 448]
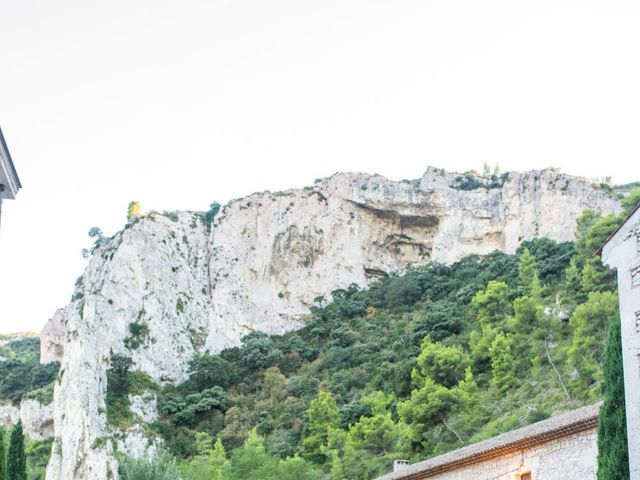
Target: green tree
[258, 351]
[252, 462]
[528, 275]
[159, 466]
[528, 313]
[118, 373]
[572, 280]
[16, 457]
[441, 320]
[133, 211]
[186, 409]
[502, 363]
[3, 456]
[444, 365]
[591, 233]
[595, 277]
[206, 371]
[492, 304]
[631, 201]
[320, 417]
[210, 463]
[373, 442]
[480, 345]
[588, 323]
[296, 468]
[431, 405]
[613, 455]
[403, 292]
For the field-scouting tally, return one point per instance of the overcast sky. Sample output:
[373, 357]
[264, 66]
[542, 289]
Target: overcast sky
[179, 103]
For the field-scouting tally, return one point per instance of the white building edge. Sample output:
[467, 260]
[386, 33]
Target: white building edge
[622, 252]
[9, 181]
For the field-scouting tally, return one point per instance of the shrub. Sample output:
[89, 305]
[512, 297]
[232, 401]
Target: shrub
[16, 457]
[160, 466]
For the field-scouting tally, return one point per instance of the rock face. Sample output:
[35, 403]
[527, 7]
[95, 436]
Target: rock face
[170, 286]
[37, 419]
[52, 339]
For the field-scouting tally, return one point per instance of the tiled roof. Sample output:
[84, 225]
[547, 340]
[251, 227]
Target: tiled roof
[535, 434]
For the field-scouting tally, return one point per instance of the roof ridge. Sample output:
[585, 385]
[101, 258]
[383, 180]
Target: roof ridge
[524, 437]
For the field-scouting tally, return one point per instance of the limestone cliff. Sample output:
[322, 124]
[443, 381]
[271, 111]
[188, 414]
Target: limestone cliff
[36, 418]
[169, 286]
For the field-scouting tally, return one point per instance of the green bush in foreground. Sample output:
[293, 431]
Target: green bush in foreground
[160, 466]
[16, 457]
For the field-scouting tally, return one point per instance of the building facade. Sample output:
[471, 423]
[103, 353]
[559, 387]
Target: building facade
[558, 448]
[9, 181]
[622, 252]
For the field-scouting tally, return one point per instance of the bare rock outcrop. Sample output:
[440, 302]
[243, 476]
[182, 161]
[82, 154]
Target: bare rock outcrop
[52, 339]
[37, 418]
[169, 286]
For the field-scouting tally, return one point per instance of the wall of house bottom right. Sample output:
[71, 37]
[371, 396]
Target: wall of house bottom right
[572, 457]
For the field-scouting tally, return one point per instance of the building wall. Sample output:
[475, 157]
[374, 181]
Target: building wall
[622, 252]
[574, 456]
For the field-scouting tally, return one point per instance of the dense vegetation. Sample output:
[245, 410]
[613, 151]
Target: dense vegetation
[414, 366]
[35, 452]
[13, 457]
[21, 374]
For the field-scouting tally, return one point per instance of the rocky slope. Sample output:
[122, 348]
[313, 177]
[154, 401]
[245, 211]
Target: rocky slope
[36, 414]
[169, 286]
[36, 418]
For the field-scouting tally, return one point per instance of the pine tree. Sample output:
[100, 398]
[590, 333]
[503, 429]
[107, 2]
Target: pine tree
[613, 457]
[3, 457]
[492, 305]
[502, 363]
[588, 324]
[528, 275]
[16, 458]
[321, 416]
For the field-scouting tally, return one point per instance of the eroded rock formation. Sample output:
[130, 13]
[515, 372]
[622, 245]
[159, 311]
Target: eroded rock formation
[169, 286]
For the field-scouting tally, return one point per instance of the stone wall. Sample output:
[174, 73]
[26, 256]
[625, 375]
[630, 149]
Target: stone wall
[574, 456]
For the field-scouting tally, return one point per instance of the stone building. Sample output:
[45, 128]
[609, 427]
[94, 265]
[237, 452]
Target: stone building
[558, 448]
[9, 181]
[622, 252]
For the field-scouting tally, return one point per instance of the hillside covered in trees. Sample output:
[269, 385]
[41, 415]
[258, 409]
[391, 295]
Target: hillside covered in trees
[412, 367]
[22, 377]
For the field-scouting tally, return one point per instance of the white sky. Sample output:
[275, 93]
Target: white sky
[179, 103]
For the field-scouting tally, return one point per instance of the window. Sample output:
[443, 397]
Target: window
[523, 474]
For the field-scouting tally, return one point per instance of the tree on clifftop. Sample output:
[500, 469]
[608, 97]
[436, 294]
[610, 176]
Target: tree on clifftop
[16, 458]
[613, 456]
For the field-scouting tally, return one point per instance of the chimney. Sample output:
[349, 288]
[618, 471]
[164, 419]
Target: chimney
[400, 465]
